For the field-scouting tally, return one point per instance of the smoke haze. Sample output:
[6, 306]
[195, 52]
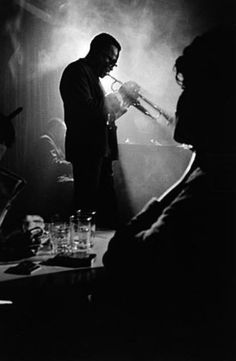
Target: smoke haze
[152, 33]
[147, 30]
[40, 37]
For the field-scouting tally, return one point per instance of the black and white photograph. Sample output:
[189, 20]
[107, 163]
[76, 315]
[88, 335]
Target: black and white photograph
[117, 180]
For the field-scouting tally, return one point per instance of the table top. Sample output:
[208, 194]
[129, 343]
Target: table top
[102, 239]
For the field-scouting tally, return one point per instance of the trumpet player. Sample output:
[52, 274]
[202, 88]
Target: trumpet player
[91, 141]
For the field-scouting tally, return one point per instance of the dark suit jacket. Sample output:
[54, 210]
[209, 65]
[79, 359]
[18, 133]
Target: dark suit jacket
[178, 253]
[85, 112]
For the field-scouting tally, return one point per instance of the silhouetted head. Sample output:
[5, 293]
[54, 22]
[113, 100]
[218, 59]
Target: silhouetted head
[205, 110]
[104, 53]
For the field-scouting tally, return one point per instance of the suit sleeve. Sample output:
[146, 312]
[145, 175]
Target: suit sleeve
[152, 235]
[77, 95]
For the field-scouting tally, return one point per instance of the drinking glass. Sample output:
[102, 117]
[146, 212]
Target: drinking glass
[60, 236]
[83, 214]
[80, 231]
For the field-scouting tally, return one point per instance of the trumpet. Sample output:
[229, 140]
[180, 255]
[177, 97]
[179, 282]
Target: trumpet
[130, 93]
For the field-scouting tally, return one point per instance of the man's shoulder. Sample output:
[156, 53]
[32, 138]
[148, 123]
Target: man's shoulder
[71, 72]
[77, 69]
[76, 66]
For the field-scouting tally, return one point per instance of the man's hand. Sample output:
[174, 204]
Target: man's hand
[116, 106]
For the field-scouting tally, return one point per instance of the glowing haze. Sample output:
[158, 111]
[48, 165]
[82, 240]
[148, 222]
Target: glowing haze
[151, 34]
[148, 33]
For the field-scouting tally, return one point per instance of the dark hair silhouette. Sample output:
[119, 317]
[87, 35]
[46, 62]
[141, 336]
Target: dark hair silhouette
[206, 71]
[209, 59]
[103, 41]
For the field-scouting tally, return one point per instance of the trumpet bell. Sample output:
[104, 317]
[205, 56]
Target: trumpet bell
[131, 94]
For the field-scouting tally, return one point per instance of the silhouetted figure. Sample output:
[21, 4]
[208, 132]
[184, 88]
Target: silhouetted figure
[54, 144]
[91, 143]
[172, 264]
[52, 180]
[55, 137]
[14, 243]
[10, 183]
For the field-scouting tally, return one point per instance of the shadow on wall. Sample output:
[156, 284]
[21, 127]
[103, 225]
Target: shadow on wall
[146, 171]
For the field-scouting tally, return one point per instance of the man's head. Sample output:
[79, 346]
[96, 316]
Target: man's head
[104, 53]
[206, 72]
